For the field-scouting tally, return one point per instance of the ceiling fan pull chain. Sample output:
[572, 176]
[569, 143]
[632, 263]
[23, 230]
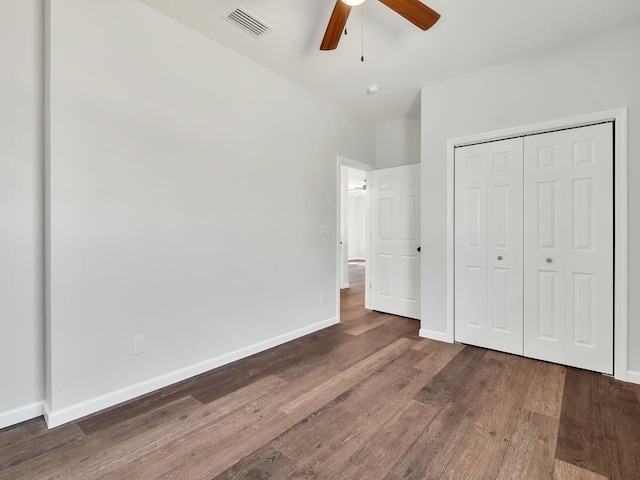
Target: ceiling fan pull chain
[345, 16]
[362, 39]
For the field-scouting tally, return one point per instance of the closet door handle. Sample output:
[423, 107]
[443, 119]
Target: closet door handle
[549, 260]
[419, 249]
[499, 257]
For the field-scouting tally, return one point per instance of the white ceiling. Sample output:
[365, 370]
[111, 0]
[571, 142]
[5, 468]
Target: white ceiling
[471, 34]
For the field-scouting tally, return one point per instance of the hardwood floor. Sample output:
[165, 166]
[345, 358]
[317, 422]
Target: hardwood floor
[366, 399]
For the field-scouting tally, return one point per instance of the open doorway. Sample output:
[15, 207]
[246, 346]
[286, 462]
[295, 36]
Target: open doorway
[353, 229]
[355, 223]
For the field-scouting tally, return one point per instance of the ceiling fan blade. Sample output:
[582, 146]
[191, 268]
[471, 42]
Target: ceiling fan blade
[414, 11]
[336, 26]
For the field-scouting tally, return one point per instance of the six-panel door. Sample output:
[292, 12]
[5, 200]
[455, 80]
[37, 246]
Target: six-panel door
[395, 232]
[569, 247]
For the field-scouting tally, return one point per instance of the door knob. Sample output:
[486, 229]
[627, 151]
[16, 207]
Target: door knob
[499, 257]
[419, 249]
[549, 260]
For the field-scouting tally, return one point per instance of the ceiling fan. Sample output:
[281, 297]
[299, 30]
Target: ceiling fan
[413, 10]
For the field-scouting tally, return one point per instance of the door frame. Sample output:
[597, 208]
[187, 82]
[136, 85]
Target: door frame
[619, 118]
[347, 162]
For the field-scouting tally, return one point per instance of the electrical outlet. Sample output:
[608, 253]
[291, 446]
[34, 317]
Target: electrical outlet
[323, 298]
[139, 344]
[323, 230]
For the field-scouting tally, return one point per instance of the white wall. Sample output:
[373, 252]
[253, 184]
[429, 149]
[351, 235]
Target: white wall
[398, 142]
[188, 186]
[357, 225]
[592, 76]
[21, 228]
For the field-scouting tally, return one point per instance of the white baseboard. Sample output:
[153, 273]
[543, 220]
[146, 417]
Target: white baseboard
[433, 335]
[21, 414]
[343, 286]
[59, 417]
[633, 377]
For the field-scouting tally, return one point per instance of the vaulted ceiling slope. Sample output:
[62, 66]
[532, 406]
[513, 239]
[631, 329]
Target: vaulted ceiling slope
[471, 34]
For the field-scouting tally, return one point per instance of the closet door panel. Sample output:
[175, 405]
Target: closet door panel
[470, 246]
[589, 289]
[569, 247]
[504, 246]
[544, 225]
[488, 250]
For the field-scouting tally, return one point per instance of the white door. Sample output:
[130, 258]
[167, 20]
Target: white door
[569, 247]
[488, 245]
[395, 235]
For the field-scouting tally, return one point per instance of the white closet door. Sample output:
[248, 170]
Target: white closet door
[488, 249]
[569, 247]
[395, 232]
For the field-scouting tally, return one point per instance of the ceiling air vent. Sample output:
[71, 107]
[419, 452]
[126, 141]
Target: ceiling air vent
[247, 22]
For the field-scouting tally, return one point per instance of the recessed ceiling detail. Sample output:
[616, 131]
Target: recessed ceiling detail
[247, 22]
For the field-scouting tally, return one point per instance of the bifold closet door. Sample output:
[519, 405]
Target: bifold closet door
[568, 286]
[488, 245]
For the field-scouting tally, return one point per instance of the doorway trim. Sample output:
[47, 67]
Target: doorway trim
[619, 118]
[347, 162]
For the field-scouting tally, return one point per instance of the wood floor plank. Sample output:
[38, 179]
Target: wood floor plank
[322, 394]
[331, 466]
[384, 448]
[438, 356]
[481, 453]
[341, 351]
[440, 390]
[431, 453]
[566, 471]
[581, 436]
[183, 417]
[545, 392]
[336, 350]
[501, 356]
[88, 454]
[427, 345]
[228, 379]
[365, 327]
[621, 423]
[531, 448]
[13, 455]
[352, 419]
[210, 427]
[312, 439]
[392, 476]
[22, 432]
[128, 410]
[368, 344]
[217, 453]
[264, 463]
